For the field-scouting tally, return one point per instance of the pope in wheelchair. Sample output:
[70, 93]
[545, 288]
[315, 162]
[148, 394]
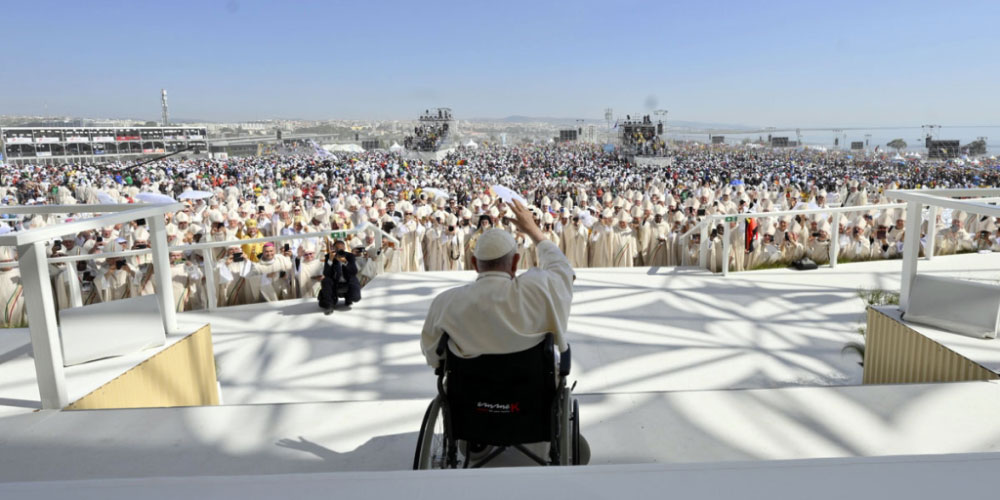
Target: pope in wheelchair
[498, 349]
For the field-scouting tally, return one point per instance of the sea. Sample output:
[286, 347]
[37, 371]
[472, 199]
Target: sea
[878, 136]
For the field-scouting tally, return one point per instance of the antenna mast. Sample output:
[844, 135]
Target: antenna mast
[163, 103]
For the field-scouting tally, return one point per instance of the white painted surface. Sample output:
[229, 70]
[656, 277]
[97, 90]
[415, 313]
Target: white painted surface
[110, 329]
[632, 330]
[624, 428]
[635, 332]
[961, 306]
[930, 477]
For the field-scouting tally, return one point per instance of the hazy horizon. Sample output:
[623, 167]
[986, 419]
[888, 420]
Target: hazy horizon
[776, 63]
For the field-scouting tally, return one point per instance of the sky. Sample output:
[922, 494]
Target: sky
[761, 63]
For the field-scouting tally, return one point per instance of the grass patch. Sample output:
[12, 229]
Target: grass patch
[878, 297]
[871, 297]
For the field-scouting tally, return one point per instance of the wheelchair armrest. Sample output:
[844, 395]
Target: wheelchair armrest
[565, 362]
[442, 346]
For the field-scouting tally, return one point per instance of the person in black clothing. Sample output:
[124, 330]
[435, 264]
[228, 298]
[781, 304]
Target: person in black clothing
[340, 279]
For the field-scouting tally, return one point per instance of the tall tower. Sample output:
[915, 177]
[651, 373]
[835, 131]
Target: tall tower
[163, 103]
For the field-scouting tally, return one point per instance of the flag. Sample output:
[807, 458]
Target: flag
[322, 153]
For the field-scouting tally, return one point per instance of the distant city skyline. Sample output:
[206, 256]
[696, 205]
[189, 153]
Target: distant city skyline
[777, 63]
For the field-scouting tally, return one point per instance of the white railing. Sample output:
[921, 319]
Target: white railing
[935, 200]
[34, 266]
[710, 221]
[834, 227]
[42, 323]
[208, 259]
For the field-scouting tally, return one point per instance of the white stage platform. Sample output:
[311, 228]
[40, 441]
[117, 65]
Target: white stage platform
[633, 330]
[920, 477]
[361, 384]
[623, 428]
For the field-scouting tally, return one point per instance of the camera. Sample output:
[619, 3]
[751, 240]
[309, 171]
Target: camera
[286, 248]
[815, 234]
[451, 229]
[57, 245]
[120, 263]
[238, 257]
[701, 212]
[140, 246]
[260, 209]
[140, 222]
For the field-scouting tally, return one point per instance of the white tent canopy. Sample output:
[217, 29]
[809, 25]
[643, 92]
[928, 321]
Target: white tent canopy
[395, 147]
[471, 144]
[348, 148]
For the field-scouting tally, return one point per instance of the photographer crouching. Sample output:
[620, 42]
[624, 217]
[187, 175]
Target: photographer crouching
[340, 278]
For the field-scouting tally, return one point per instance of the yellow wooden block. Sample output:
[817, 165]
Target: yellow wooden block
[180, 375]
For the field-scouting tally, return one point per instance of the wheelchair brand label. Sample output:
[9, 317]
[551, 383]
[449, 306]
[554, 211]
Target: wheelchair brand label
[484, 407]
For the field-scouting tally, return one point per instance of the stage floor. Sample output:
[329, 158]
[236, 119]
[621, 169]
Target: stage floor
[622, 428]
[657, 353]
[632, 330]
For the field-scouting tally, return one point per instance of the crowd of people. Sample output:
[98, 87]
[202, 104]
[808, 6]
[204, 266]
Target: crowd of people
[601, 209]
[428, 136]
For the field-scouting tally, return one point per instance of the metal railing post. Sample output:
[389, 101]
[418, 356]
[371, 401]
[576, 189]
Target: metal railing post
[41, 309]
[73, 281]
[211, 294]
[932, 215]
[161, 272]
[834, 240]
[703, 245]
[726, 234]
[911, 249]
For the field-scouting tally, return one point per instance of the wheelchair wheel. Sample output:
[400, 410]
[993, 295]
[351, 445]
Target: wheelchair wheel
[565, 438]
[576, 432]
[433, 441]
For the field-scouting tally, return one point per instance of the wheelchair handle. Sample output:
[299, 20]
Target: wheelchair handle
[565, 362]
[442, 345]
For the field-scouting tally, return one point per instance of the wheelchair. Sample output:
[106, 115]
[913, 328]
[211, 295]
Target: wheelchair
[498, 401]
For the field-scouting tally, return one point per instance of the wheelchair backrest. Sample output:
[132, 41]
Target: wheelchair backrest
[502, 399]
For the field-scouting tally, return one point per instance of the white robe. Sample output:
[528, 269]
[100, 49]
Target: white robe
[189, 291]
[626, 247]
[307, 285]
[574, 240]
[12, 299]
[602, 245]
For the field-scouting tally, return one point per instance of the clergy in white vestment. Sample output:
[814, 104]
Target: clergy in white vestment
[11, 292]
